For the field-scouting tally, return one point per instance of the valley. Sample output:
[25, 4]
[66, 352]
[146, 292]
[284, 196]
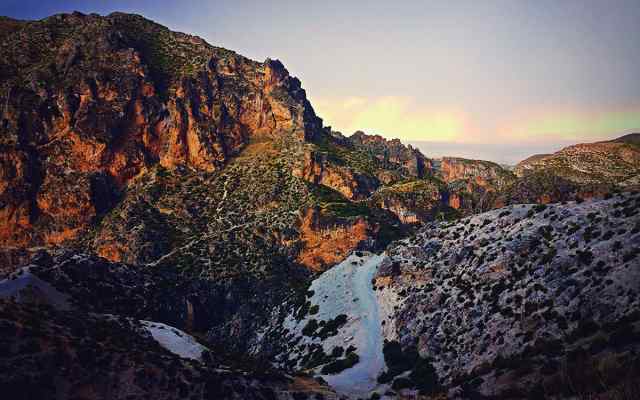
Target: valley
[346, 290]
[176, 222]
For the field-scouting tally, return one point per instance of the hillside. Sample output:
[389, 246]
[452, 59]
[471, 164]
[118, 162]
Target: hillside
[631, 138]
[524, 299]
[177, 222]
[74, 323]
[527, 298]
[610, 162]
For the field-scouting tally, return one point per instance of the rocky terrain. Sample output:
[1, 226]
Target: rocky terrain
[184, 216]
[610, 162]
[91, 102]
[393, 154]
[525, 299]
[76, 325]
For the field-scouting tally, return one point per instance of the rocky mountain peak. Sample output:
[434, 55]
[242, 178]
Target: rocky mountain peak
[91, 102]
[392, 152]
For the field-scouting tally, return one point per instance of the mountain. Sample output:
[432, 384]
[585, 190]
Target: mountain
[393, 154]
[92, 103]
[520, 300]
[610, 162]
[176, 221]
[526, 300]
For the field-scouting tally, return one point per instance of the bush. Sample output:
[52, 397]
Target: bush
[310, 328]
[584, 257]
[539, 208]
[331, 327]
[340, 365]
[424, 377]
[401, 383]
[337, 351]
[397, 360]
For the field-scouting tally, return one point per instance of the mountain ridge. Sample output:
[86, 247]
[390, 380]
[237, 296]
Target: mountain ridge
[146, 175]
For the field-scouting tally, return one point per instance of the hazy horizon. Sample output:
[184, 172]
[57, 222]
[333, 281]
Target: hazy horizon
[508, 154]
[504, 78]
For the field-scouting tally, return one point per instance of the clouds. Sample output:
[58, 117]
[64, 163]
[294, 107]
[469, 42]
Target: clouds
[569, 123]
[391, 116]
[406, 118]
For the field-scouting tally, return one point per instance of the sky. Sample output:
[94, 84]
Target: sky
[502, 79]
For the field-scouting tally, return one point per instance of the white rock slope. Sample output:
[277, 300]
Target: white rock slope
[346, 289]
[175, 340]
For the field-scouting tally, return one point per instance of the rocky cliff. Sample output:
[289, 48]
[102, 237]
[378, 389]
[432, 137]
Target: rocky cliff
[91, 102]
[393, 154]
[483, 173]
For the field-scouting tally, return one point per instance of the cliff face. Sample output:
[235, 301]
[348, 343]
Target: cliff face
[327, 241]
[414, 201]
[482, 173]
[90, 102]
[473, 185]
[318, 169]
[393, 154]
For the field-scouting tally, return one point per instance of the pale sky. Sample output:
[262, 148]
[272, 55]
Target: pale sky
[506, 75]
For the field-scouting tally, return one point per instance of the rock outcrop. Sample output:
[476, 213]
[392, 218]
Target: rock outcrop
[483, 173]
[473, 185]
[393, 154]
[91, 102]
[327, 241]
[318, 169]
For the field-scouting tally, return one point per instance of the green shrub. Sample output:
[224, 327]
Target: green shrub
[331, 327]
[310, 328]
[397, 360]
[337, 351]
[401, 383]
[340, 365]
[424, 376]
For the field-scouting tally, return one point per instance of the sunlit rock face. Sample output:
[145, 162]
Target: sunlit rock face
[91, 102]
[483, 173]
[393, 153]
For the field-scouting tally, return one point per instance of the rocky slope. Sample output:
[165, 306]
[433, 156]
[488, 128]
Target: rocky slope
[610, 162]
[484, 173]
[473, 185]
[146, 175]
[520, 300]
[76, 325]
[393, 154]
[91, 102]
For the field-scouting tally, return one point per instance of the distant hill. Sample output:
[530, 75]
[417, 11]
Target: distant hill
[632, 138]
[608, 162]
